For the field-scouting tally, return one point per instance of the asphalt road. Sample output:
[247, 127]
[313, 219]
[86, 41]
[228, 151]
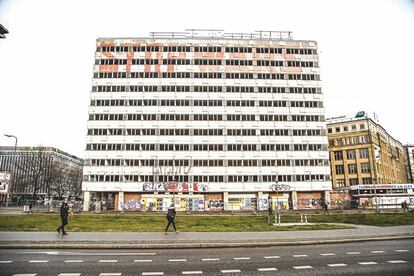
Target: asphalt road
[368, 258]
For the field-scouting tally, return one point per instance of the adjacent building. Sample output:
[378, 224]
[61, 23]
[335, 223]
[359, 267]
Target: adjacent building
[409, 160]
[362, 152]
[207, 120]
[39, 172]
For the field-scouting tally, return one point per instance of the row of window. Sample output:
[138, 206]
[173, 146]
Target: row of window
[352, 168]
[206, 132]
[206, 147]
[207, 163]
[361, 139]
[229, 62]
[199, 75]
[351, 154]
[353, 181]
[187, 88]
[122, 102]
[206, 49]
[206, 117]
[207, 178]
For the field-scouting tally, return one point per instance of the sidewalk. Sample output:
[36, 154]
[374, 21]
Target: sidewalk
[128, 240]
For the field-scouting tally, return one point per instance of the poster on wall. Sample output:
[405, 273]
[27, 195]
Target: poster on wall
[174, 187]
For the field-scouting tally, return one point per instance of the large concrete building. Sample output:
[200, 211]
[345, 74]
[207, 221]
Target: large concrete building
[362, 152]
[208, 120]
[32, 171]
[409, 161]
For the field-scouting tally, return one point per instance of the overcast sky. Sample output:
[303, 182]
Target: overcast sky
[46, 61]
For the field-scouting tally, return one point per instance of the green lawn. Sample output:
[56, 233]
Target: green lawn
[192, 223]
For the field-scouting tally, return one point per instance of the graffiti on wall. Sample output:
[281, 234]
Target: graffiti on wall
[174, 187]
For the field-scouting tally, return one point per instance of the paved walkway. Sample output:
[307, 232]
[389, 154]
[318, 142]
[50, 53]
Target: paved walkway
[200, 239]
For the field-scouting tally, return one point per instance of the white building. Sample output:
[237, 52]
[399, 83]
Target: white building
[206, 119]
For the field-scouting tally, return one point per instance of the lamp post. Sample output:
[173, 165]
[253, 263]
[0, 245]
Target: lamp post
[276, 187]
[12, 167]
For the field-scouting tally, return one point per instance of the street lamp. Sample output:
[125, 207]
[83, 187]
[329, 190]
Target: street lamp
[12, 168]
[275, 188]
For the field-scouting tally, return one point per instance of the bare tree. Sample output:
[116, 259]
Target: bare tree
[75, 178]
[34, 166]
[60, 179]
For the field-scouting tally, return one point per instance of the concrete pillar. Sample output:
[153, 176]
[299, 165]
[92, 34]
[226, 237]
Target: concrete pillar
[226, 200]
[294, 197]
[86, 201]
[259, 196]
[327, 197]
[120, 201]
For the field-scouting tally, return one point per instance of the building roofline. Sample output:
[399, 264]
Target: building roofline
[22, 148]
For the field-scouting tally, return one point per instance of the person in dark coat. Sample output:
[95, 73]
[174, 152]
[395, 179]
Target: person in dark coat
[64, 213]
[170, 217]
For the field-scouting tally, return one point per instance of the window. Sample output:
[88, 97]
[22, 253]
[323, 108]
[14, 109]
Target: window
[353, 181]
[337, 129]
[366, 180]
[352, 168]
[365, 167]
[363, 153]
[329, 130]
[353, 127]
[350, 154]
[338, 155]
[340, 182]
[362, 126]
[339, 169]
[345, 128]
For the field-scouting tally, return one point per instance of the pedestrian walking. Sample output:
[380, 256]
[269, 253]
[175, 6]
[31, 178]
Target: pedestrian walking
[30, 208]
[64, 213]
[406, 206]
[325, 207]
[270, 209]
[403, 206]
[170, 217]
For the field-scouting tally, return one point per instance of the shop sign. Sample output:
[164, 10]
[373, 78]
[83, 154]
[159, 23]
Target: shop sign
[383, 186]
[173, 187]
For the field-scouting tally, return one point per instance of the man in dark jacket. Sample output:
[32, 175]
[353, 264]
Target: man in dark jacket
[170, 217]
[64, 213]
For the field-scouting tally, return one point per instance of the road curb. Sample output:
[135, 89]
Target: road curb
[187, 245]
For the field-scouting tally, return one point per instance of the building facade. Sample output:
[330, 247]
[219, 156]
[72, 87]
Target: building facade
[34, 171]
[207, 120]
[362, 152]
[409, 161]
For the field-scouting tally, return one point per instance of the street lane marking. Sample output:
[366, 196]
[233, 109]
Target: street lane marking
[73, 261]
[111, 274]
[302, 267]
[108, 261]
[29, 274]
[272, 257]
[211, 259]
[267, 269]
[38, 261]
[177, 260]
[299, 256]
[142, 261]
[368, 263]
[327, 254]
[353, 253]
[69, 274]
[242, 258]
[152, 273]
[5, 262]
[401, 250]
[396, 262]
[378, 251]
[192, 272]
[231, 271]
[336, 265]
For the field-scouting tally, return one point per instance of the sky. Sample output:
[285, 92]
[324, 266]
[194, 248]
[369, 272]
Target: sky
[366, 55]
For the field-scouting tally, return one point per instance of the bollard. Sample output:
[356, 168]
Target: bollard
[301, 218]
[279, 218]
[306, 219]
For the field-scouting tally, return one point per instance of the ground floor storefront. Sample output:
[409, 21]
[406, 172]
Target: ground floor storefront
[202, 202]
